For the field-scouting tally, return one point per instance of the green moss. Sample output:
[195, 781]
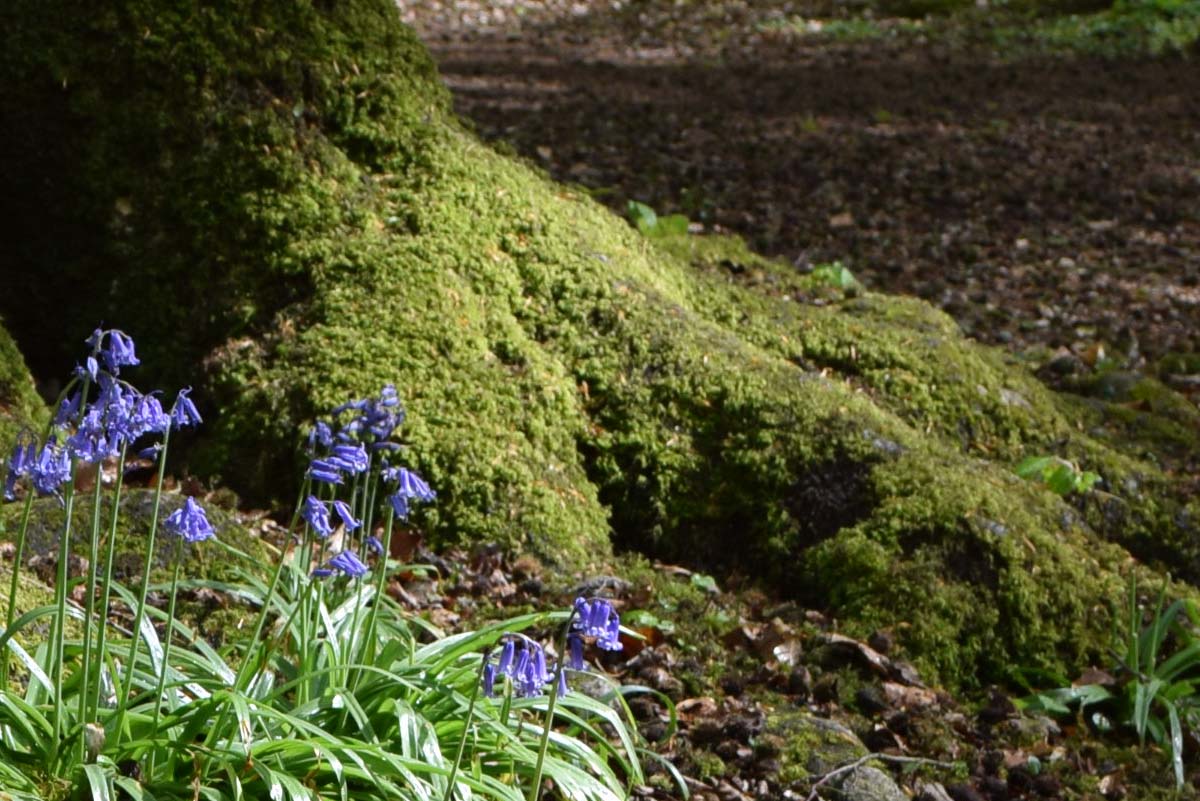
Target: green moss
[707, 765]
[813, 746]
[208, 560]
[20, 407]
[570, 384]
[31, 594]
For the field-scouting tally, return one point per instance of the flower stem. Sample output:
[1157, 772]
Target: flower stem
[59, 629]
[18, 558]
[536, 790]
[368, 642]
[166, 660]
[462, 741]
[89, 596]
[139, 615]
[102, 637]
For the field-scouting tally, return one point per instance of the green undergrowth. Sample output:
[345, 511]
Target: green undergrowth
[571, 384]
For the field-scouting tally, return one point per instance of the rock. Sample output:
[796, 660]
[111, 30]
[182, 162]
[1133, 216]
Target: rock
[932, 791]
[814, 746]
[870, 784]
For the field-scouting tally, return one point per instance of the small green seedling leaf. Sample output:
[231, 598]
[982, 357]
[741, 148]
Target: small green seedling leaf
[835, 275]
[643, 217]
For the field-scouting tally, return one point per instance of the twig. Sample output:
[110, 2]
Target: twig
[858, 763]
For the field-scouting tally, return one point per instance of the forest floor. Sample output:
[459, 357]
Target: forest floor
[1049, 202]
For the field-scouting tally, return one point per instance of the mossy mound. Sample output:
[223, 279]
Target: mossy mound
[207, 560]
[21, 409]
[278, 192]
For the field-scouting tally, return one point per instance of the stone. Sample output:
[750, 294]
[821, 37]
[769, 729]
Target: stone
[870, 784]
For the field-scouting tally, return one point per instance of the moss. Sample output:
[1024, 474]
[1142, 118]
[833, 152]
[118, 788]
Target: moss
[706, 764]
[294, 174]
[813, 746]
[31, 594]
[20, 407]
[208, 560]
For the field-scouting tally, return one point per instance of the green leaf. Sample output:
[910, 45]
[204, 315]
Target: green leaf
[1176, 745]
[705, 583]
[1034, 466]
[99, 781]
[1060, 479]
[835, 275]
[642, 216]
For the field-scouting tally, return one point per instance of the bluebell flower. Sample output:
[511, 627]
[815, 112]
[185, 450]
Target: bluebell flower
[562, 683]
[67, 409]
[575, 651]
[598, 619]
[411, 485]
[321, 435]
[325, 471]
[190, 522]
[356, 405]
[611, 641]
[375, 545]
[147, 417]
[151, 452]
[506, 658]
[343, 510]
[322, 572]
[349, 564]
[91, 368]
[317, 515]
[524, 662]
[184, 413]
[51, 470]
[531, 675]
[399, 505]
[489, 680]
[20, 464]
[353, 458]
[119, 352]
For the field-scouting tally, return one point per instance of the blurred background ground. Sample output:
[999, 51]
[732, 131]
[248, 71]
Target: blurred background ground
[1035, 175]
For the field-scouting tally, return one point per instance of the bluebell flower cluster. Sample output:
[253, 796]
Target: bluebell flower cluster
[347, 449]
[597, 620]
[190, 522]
[523, 660]
[92, 429]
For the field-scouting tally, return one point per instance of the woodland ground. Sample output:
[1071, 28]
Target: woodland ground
[1049, 202]
[1046, 201]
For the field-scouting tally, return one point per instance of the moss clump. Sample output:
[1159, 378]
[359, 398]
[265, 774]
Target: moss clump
[208, 560]
[813, 746]
[31, 594]
[294, 173]
[20, 407]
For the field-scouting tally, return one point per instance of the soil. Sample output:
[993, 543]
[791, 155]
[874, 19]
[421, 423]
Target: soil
[1049, 203]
